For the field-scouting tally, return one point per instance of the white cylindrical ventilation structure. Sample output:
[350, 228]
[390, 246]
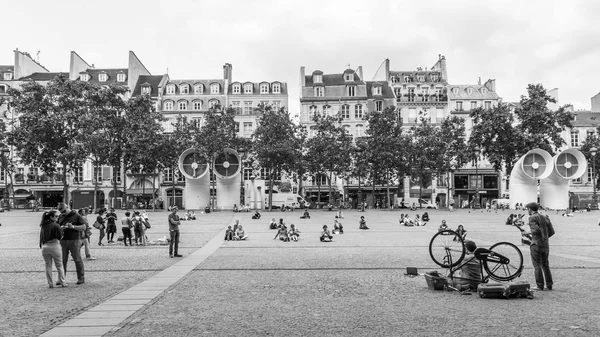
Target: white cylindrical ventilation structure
[554, 190]
[227, 166]
[194, 167]
[535, 164]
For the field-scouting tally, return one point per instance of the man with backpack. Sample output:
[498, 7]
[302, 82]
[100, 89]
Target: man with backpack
[138, 229]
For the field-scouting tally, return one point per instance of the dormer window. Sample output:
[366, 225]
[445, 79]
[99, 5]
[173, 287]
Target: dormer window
[351, 90]
[264, 88]
[198, 89]
[146, 90]
[435, 78]
[406, 79]
[377, 91]
[170, 89]
[120, 77]
[237, 89]
[348, 77]
[184, 89]
[319, 91]
[318, 78]
[483, 90]
[469, 90]
[214, 88]
[84, 77]
[102, 77]
[8, 76]
[247, 88]
[394, 79]
[421, 78]
[276, 88]
[455, 91]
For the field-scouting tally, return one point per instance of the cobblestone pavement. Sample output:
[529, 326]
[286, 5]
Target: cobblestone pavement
[354, 285]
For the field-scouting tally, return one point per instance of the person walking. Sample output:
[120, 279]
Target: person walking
[174, 232]
[72, 224]
[111, 227]
[126, 226]
[541, 230]
[50, 234]
[86, 234]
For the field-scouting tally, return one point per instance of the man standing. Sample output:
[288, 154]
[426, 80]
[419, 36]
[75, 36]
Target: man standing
[541, 230]
[111, 227]
[174, 231]
[72, 225]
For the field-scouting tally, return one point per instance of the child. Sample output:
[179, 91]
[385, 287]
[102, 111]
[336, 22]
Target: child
[326, 235]
[293, 233]
[273, 224]
[337, 227]
[229, 234]
[282, 233]
[363, 223]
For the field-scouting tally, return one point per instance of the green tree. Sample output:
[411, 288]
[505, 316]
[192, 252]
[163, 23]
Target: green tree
[276, 144]
[590, 142]
[453, 148]
[385, 144]
[144, 134]
[330, 150]
[425, 149]
[47, 131]
[216, 134]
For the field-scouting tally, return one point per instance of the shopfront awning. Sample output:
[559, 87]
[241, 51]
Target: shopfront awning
[138, 192]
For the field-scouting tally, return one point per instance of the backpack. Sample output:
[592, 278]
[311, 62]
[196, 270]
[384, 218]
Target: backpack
[138, 223]
[147, 224]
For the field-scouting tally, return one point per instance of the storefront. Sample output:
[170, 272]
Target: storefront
[474, 189]
[375, 198]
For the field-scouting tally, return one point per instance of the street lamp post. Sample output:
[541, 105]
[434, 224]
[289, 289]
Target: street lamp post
[476, 204]
[5, 154]
[593, 151]
[242, 152]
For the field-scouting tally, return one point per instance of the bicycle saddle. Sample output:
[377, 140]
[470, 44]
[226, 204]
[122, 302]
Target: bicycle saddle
[481, 253]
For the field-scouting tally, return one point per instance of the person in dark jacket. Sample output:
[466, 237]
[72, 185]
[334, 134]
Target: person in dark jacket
[72, 224]
[50, 234]
[540, 248]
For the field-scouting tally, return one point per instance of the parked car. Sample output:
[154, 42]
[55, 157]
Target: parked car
[424, 203]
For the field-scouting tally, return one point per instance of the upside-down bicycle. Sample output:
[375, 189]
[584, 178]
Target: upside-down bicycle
[503, 261]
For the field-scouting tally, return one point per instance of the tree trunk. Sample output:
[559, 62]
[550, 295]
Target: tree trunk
[65, 186]
[213, 190]
[95, 188]
[115, 170]
[330, 193]
[125, 187]
[389, 205]
[154, 194]
[318, 189]
[374, 202]
[173, 188]
[270, 190]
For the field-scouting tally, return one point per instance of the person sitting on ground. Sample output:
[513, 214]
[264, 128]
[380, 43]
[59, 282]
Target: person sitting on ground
[273, 224]
[363, 223]
[401, 221]
[443, 226]
[235, 208]
[338, 228]
[326, 235]
[408, 221]
[240, 233]
[229, 234]
[306, 215]
[511, 219]
[282, 233]
[425, 216]
[339, 214]
[588, 208]
[462, 232]
[469, 275]
[417, 220]
[281, 223]
[569, 214]
[191, 215]
[293, 233]
[413, 207]
[256, 215]
[330, 207]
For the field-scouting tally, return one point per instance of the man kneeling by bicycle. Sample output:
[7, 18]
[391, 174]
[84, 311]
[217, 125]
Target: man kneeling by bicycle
[469, 275]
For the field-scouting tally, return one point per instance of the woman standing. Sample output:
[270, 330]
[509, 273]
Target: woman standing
[50, 235]
[102, 221]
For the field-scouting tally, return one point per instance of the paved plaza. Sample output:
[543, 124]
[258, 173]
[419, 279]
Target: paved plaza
[353, 286]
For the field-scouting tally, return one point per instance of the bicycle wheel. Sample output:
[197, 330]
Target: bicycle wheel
[505, 262]
[447, 248]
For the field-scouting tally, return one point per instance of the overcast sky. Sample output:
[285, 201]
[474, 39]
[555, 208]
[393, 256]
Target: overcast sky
[556, 43]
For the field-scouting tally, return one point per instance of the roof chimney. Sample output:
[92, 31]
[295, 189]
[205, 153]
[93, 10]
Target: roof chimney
[302, 79]
[479, 81]
[227, 72]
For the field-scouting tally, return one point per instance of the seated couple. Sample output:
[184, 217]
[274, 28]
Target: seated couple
[235, 233]
[286, 235]
[189, 215]
[276, 225]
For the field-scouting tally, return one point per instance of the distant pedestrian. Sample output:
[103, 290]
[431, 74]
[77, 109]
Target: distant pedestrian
[111, 227]
[50, 234]
[102, 221]
[174, 232]
[126, 226]
[72, 224]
